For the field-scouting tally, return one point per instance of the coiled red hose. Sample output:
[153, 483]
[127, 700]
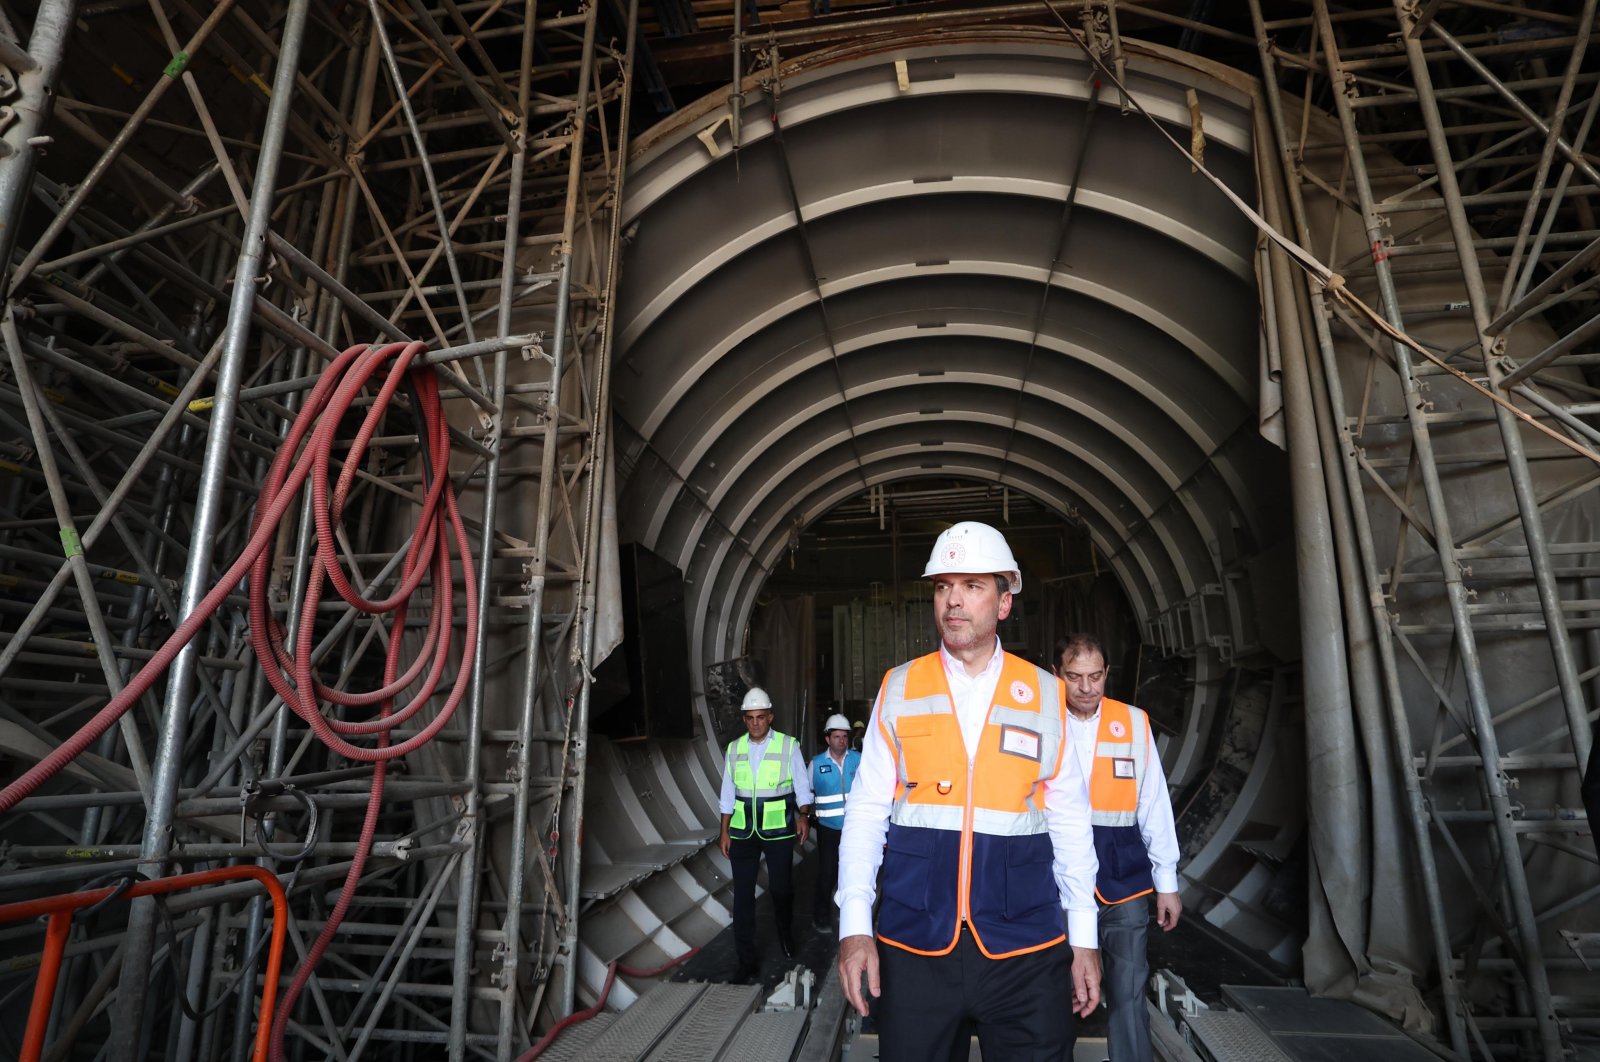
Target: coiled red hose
[428, 556]
[334, 394]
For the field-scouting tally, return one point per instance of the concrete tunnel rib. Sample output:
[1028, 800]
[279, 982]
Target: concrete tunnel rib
[674, 369]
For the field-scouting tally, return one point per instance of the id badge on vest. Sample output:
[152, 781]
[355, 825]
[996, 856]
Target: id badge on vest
[1122, 767]
[1015, 741]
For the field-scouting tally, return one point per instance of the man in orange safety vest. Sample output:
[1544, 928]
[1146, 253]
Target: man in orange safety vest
[968, 796]
[1134, 836]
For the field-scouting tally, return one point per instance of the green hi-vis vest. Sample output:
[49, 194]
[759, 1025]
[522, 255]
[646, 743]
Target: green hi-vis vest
[762, 793]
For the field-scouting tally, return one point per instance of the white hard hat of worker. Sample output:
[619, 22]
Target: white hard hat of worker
[756, 700]
[971, 548]
[836, 722]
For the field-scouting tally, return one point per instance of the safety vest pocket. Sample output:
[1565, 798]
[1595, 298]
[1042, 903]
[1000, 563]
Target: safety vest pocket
[1030, 876]
[908, 866]
[774, 816]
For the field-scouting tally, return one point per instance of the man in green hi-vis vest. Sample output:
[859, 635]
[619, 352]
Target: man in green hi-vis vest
[766, 796]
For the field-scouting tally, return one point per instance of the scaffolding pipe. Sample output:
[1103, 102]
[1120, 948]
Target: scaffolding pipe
[599, 466]
[35, 92]
[1528, 503]
[1395, 703]
[1450, 569]
[467, 886]
[129, 1011]
[544, 516]
[114, 150]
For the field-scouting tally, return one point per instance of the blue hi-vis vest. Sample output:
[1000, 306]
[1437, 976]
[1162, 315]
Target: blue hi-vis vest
[968, 841]
[830, 783]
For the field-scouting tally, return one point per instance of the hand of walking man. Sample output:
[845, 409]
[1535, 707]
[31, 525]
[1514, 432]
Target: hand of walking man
[1169, 905]
[859, 954]
[1085, 980]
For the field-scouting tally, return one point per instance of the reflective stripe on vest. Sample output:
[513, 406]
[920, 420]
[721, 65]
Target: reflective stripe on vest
[1121, 757]
[968, 839]
[761, 793]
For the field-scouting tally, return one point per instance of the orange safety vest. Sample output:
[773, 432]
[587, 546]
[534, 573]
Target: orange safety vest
[968, 840]
[1121, 756]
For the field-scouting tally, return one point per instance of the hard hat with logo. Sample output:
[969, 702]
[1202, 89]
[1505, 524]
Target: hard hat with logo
[836, 722]
[756, 700]
[971, 548]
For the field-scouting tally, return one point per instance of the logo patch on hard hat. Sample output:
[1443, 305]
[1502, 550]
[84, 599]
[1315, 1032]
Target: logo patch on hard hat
[1020, 692]
[955, 552]
[1117, 729]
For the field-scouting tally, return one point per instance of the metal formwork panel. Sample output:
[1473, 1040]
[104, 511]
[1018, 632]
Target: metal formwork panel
[714, 1018]
[1232, 1037]
[574, 1041]
[642, 1025]
[1316, 1029]
[767, 1037]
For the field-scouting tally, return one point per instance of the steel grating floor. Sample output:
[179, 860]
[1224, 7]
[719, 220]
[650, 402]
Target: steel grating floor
[678, 1021]
[1324, 1030]
[574, 1041]
[767, 1038]
[1234, 1037]
[715, 1017]
[639, 1028]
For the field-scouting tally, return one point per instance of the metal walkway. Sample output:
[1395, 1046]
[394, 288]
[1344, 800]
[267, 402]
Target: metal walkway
[688, 1022]
[1279, 1024]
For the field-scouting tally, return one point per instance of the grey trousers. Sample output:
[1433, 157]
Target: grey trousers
[1125, 969]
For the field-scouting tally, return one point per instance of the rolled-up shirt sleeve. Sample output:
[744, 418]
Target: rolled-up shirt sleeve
[1066, 801]
[866, 824]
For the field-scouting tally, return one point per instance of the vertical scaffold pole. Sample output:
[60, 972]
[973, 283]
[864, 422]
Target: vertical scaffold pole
[128, 1013]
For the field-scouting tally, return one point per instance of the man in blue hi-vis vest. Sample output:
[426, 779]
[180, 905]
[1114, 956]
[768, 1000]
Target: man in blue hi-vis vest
[766, 798]
[831, 775]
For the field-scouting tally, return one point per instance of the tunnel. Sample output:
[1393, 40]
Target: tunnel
[1264, 334]
[960, 270]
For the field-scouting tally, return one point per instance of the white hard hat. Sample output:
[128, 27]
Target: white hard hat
[756, 700]
[971, 548]
[836, 722]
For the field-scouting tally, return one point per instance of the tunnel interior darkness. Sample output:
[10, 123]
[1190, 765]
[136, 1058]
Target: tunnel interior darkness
[955, 262]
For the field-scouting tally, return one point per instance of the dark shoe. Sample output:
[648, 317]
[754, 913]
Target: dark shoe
[786, 942]
[745, 974]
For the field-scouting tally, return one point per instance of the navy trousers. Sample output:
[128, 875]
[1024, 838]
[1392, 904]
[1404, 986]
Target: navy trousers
[746, 859]
[822, 905]
[1020, 1007]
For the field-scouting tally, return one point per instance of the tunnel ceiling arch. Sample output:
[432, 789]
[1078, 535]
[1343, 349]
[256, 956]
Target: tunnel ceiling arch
[890, 278]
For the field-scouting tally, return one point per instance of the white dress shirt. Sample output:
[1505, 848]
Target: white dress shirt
[803, 796]
[866, 817]
[1155, 807]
